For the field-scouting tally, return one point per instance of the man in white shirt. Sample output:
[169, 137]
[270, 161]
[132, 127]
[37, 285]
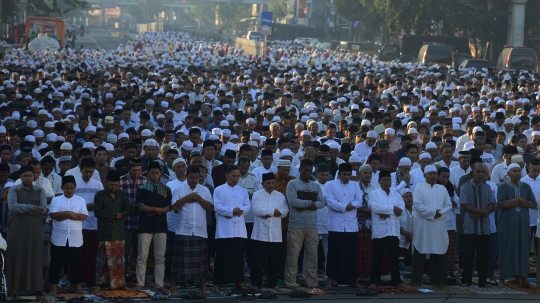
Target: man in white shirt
[191, 201]
[386, 208]
[498, 173]
[231, 203]
[365, 148]
[67, 212]
[38, 180]
[48, 164]
[267, 159]
[401, 178]
[269, 207]
[431, 205]
[323, 174]
[249, 182]
[87, 189]
[343, 198]
[76, 171]
[533, 181]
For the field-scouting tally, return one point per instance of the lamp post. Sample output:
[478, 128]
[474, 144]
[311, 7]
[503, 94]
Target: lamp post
[517, 23]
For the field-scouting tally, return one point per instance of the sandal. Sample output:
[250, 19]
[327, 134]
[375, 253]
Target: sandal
[299, 294]
[268, 295]
[366, 292]
[248, 295]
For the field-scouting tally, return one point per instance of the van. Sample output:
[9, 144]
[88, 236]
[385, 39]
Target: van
[253, 35]
[518, 57]
[434, 53]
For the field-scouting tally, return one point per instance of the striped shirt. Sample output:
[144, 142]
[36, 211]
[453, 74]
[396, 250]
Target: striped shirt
[132, 221]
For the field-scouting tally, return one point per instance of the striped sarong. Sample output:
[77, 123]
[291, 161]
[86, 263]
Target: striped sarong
[190, 258]
[364, 253]
[110, 264]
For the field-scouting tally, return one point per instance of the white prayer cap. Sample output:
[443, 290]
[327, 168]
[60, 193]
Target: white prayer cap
[389, 131]
[512, 166]
[425, 156]
[286, 152]
[187, 145]
[404, 162]
[372, 134]
[431, 145]
[404, 191]
[412, 131]
[284, 162]
[178, 160]
[355, 159]
[517, 159]
[432, 168]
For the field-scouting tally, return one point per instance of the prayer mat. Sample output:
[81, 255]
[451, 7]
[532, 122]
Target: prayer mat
[208, 293]
[396, 290]
[121, 293]
[513, 285]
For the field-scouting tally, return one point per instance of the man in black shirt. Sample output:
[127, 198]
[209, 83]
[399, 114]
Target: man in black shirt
[153, 202]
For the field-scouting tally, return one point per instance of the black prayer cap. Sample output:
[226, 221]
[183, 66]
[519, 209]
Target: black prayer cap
[345, 167]
[26, 168]
[208, 143]
[153, 164]
[268, 176]
[324, 148]
[135, 162]
[68, 179]
[346, 148]
[266, 152]
[113, 176]
[384, 173]
[230, 154]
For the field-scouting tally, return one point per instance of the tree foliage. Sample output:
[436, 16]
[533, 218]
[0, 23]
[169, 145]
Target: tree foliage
[230, 14]
[54, 8]
[484, 20]
[205, 12]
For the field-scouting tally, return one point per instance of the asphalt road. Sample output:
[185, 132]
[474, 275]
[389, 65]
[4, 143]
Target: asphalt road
[99, 39]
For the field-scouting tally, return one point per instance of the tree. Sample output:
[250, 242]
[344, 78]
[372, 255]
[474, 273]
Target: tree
[230, 14]
[205, 12]
[54, 8]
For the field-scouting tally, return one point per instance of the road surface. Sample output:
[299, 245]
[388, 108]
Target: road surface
[99, 39]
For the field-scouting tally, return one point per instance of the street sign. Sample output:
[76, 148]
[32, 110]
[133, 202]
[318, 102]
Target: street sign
[266, 18]
[266, 30]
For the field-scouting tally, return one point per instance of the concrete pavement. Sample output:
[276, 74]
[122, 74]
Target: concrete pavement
[99, 39]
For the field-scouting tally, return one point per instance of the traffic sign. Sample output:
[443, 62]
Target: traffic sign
[266, 18]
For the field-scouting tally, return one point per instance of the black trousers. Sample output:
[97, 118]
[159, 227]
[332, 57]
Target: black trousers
[131, 246]
[439, 267]
[472, 245]
[533, 236]
[260, 251]
[62, 255]
[229, 262]
[391, 243]
[248, 246]
[169, 253]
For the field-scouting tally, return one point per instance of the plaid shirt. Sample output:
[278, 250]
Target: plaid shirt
[132, 221]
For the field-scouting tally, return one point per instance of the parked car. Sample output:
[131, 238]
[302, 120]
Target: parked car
[475, 63]
[405, 58]
[460, 57]
[328, 45]
[253, 36]
[434, 53]
[518, 57]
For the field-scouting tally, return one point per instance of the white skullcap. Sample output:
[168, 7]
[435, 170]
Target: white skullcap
[372, 134]
[425, 156]
[187, 145]
[430, 169]
[431, 145]
[178, 160]
[405, 162]
[512, 166]
[389, 131]
[286, 152]
[355, 159]
[146, 133]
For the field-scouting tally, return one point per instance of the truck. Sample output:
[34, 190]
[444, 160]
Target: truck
[411, 44]
[55, 28]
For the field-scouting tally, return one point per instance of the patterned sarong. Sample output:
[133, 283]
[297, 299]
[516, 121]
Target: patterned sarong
[190, 258]
[110, 264]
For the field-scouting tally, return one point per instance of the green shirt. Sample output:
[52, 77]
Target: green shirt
[106, 209]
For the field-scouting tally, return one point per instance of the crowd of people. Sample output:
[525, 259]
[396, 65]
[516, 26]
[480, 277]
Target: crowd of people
[192, 161]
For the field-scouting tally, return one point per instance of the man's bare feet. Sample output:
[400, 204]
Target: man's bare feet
[329, 283]
[502, 283]
[277, 288]
[525, 283]
[54, 290]
[173, 289]
[291, 287]
[202, 285]
[373, 286]
[355, 285]
[464, 285]
[239, 286]
[162, 289]
[255, 287]
[139, 287]
[215, 287]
